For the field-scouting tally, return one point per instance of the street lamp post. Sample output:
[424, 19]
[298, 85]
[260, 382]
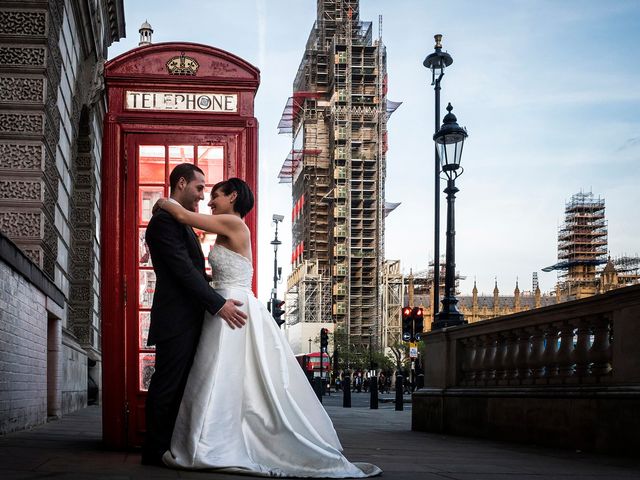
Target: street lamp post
[449, 142]
[277, 271]
[437, 62]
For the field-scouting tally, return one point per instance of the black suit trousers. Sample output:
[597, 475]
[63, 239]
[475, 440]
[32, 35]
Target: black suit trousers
[174, 358]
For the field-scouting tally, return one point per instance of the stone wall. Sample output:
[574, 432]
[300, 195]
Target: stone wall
[566, 375]
[74, 376]
[52, 105]
[23, 352]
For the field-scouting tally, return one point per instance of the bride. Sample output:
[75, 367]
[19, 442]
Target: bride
[248, 407]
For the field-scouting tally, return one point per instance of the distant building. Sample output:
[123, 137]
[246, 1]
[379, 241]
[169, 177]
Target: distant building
[415, 290]
[477, 307]
[619, 272]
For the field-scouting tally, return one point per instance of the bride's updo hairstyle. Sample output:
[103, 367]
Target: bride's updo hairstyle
[244, 200]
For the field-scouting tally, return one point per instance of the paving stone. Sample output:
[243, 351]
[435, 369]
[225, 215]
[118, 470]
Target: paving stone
[71, 449]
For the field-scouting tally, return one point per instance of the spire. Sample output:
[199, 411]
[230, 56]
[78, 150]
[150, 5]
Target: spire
[609, 267]
[496, 292]
[474, 302]
[145, 34]
[517, 290]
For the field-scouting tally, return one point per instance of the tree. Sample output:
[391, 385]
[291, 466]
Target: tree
[401, 352]
[356, 357]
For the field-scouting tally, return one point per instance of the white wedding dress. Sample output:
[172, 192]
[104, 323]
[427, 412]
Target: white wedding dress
[248, 406]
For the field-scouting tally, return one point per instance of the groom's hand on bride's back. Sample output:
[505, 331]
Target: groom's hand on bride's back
[231, 314]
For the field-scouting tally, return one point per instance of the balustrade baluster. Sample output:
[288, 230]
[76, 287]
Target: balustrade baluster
[500, 357]
[467, 360]
[536, 362]
[511, 370]
[488, 364]
[476, 364]
[550, 351]
[580, 354]
[600, 352]
[481, 352]
[522, 357]
[563, 356]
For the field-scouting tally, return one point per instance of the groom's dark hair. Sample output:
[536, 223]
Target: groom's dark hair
[184, 170]
[244, 201]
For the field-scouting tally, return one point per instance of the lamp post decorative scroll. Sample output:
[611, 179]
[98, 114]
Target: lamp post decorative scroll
[449, 143]
[437, 62]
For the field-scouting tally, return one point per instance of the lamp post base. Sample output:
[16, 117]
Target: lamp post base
[449, 316]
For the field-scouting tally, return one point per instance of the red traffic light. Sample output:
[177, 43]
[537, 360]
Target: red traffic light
[277, 310]
[324, 339]
[406, 311]
[418, 311]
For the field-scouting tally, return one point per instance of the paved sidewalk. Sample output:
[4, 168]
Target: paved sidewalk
[71, 448]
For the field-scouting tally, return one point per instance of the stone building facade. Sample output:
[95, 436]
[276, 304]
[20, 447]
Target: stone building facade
[51, 112]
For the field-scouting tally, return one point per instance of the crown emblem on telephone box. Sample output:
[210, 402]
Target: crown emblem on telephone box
[182, 65]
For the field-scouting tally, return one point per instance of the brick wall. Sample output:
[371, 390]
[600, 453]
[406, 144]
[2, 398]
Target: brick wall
[23, 352]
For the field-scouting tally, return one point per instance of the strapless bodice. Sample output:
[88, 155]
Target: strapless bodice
[229, 269]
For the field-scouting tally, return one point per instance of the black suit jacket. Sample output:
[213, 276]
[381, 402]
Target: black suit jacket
[182, 293]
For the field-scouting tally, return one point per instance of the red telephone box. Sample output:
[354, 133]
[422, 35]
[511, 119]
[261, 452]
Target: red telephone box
[169, 103]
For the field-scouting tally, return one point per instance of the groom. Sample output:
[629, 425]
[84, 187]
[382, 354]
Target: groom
[181, 297]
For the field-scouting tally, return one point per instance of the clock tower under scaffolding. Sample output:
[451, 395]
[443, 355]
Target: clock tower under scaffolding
[337, 116]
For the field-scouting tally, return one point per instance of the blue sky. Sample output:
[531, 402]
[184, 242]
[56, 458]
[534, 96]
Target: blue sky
[548, 90]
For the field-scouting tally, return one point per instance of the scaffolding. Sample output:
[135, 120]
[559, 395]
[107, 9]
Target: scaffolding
[626, 271]
[337, 117]
[392, 284]
[582, 247]
[308, 297]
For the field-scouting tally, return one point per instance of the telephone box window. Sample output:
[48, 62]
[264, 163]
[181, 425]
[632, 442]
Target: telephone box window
[152, 164]
[147, 367]
[210, 160]
[148, 197]
[180, 154]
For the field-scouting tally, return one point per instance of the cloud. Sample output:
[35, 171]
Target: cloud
[630, 144]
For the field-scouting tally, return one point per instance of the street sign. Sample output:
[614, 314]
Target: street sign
[413, 350]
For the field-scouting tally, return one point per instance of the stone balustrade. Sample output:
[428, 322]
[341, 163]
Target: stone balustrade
[567, 363]
[573, 351]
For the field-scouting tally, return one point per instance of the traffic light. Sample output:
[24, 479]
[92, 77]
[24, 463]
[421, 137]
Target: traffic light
[277, 310]
[418, 322]
[324, 339]
[407, 324]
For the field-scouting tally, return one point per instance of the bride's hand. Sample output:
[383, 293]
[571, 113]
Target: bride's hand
[158, 205]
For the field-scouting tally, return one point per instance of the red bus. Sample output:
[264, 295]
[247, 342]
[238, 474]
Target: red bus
[310, 362]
